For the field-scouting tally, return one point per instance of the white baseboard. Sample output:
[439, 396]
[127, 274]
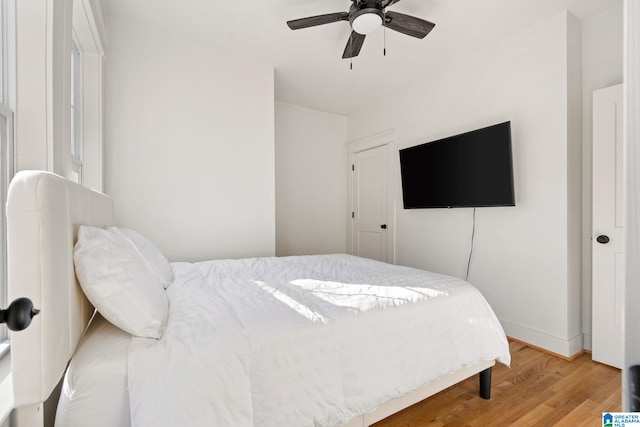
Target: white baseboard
[561, 346]
[587, 342]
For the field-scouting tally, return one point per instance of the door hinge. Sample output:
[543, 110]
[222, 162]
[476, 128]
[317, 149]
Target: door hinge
[353, 167]
[353, 214]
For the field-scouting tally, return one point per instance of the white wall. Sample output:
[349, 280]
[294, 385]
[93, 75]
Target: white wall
[524, 261]
[189, 134]
[311, 181]
[601, 67]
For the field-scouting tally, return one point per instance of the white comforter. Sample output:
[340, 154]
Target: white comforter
[303, 341]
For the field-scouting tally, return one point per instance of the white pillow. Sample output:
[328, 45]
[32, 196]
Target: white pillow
[118, 282]
[155, 260]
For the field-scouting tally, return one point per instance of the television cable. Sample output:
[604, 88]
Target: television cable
[473, 234]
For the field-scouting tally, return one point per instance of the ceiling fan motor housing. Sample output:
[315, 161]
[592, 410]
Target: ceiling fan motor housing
[366, 17]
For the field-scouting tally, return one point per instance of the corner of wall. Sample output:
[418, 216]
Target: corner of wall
[574, 175]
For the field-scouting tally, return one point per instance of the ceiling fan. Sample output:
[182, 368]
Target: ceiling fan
[366, 16]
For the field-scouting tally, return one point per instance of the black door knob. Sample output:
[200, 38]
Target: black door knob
[602, 239]
[383, 226]
[19, 314]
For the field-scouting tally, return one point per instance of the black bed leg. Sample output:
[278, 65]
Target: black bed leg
[485, 384]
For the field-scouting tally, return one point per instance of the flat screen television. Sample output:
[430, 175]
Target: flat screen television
[473, 169]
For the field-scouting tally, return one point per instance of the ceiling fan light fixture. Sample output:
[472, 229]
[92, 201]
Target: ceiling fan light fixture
[367, 21]
[365, 17]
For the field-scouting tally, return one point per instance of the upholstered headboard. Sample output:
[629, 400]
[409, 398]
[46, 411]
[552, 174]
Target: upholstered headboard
[44, 212]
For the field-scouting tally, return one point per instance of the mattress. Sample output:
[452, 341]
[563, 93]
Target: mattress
[303, 341]
[95, 391]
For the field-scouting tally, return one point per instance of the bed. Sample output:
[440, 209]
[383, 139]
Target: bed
[316, 340]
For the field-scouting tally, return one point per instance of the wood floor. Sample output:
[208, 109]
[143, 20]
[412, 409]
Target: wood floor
[538, 390]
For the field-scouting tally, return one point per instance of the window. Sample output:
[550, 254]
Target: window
[6, 173]
[87, 61]
[6, 145]
[3, 49]
[76, 112]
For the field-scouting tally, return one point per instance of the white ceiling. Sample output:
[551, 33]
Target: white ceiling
[309, 69]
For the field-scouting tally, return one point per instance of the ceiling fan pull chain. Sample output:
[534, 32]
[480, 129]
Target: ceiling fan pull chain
[384, 34]
[351, 55]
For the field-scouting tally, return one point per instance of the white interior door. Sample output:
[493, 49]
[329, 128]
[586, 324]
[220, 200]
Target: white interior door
[369, 204]
[608, 226]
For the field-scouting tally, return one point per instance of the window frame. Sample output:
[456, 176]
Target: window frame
[7, 169]
[76, 110]
[7, 148]
[89, 36]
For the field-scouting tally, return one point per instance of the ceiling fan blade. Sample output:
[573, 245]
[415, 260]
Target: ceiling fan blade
[409, 25]
[354, 44]
[312, 21]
